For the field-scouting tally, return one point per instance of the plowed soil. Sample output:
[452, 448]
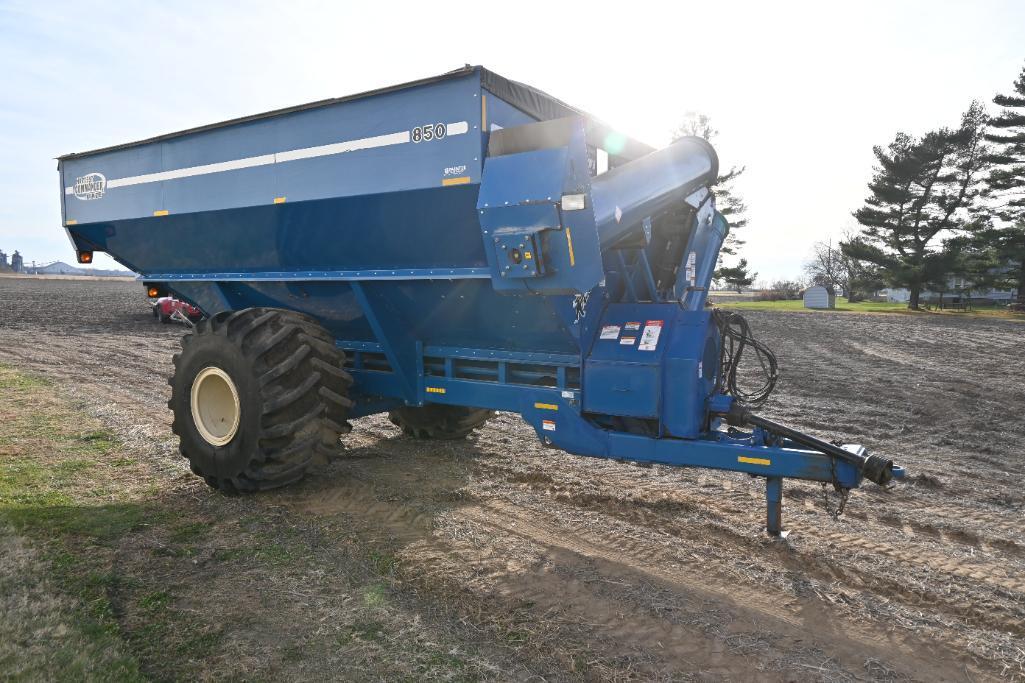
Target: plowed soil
[538, 565]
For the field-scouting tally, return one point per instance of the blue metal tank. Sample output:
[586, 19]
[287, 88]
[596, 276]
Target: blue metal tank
[459, 240]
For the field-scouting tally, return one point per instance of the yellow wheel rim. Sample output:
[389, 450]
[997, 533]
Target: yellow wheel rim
[215, 406]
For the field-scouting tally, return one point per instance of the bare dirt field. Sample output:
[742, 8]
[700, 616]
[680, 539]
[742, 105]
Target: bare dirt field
[497, 559]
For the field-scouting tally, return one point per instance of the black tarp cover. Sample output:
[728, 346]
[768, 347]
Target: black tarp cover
[527, 99]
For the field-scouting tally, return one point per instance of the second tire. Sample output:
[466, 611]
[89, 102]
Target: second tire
[434, 421]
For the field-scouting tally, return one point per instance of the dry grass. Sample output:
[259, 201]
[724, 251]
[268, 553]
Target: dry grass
[55, 622]
[111, 569]
[498, 559]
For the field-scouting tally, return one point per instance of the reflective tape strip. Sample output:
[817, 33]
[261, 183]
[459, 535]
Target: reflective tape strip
[457, 128]
[455, 181]
[279, 200]
[342, 147]
[569, 243]
[435, 390]
[546, 406]
[754, 461]
[402, 137]
[161, 212]
[220, 167]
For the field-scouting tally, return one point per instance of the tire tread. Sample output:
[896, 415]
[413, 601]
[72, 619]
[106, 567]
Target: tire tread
[303, 386]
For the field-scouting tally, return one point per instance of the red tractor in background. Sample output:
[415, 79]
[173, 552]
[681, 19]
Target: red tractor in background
[165, 307]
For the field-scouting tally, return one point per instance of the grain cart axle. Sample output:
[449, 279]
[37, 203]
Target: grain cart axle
[439, 250]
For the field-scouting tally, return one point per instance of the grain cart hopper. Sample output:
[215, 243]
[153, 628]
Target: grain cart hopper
[440, 250]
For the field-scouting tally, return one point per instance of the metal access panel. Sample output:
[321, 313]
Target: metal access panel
[623, 374]
[527, 172]
[519, 252]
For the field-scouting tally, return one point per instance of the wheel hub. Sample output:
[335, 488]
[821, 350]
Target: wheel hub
[216, 411]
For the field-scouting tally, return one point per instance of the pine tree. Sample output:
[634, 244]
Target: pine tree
[1007, 135]
[995, 259]
[864, 278]
[727, 201]
[1000, 253]
[922, 189]
[737, 277]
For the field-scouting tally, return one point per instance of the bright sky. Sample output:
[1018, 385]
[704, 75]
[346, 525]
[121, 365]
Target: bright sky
[800, 91]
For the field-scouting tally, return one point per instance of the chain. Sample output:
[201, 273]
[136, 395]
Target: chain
[845, 494]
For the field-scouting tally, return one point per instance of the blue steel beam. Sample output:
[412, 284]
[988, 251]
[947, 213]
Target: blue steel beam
[576, 434]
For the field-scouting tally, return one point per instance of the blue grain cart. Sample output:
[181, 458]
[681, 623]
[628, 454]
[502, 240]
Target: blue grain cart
[440, 250]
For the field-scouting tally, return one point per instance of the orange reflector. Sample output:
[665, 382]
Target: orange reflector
[153, 292]
[85, 257]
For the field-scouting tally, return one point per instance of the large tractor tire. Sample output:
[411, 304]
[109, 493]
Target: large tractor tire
[434, 421]
[258, 396]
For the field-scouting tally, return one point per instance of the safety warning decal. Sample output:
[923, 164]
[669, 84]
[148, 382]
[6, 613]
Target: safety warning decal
[628, 341]
[632, 327]
[649, 337]
[610, 332]
[548, 425]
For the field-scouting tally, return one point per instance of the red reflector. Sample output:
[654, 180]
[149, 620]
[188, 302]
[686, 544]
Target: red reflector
[85, 257]
[153, 292]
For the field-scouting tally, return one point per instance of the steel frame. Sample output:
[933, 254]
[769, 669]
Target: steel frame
[554, 413]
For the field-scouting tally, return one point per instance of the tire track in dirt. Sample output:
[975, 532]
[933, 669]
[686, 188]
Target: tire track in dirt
[974, 528]
[908, 521]
[435, 558]
[807, 560]
[674, 513]
[621, 558]
[901, 514]
[627, 556]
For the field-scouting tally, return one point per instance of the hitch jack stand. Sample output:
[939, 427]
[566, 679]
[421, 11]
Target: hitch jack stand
[774, 506]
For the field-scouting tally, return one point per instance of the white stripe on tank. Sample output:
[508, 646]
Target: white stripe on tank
[386, 140]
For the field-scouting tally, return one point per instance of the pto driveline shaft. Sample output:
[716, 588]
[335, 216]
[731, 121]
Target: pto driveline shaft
[872, 467]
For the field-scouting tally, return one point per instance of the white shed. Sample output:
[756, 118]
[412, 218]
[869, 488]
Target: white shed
[819, 297]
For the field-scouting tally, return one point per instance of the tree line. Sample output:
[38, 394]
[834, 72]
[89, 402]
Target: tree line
[947, 204]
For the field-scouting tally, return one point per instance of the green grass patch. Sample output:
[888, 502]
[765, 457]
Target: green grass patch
[144, 585]
[274, 554]
[445, 661]
[9, 379]
[66, 627]
[375, 595]
[844, 306]
[155, 601]
[383, 563]
[190, 532]
[98, 442]
[230, 554]
[59, 489]
[55, 516]
[367, 631]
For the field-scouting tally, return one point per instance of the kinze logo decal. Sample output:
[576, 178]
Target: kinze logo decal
[90, 186]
